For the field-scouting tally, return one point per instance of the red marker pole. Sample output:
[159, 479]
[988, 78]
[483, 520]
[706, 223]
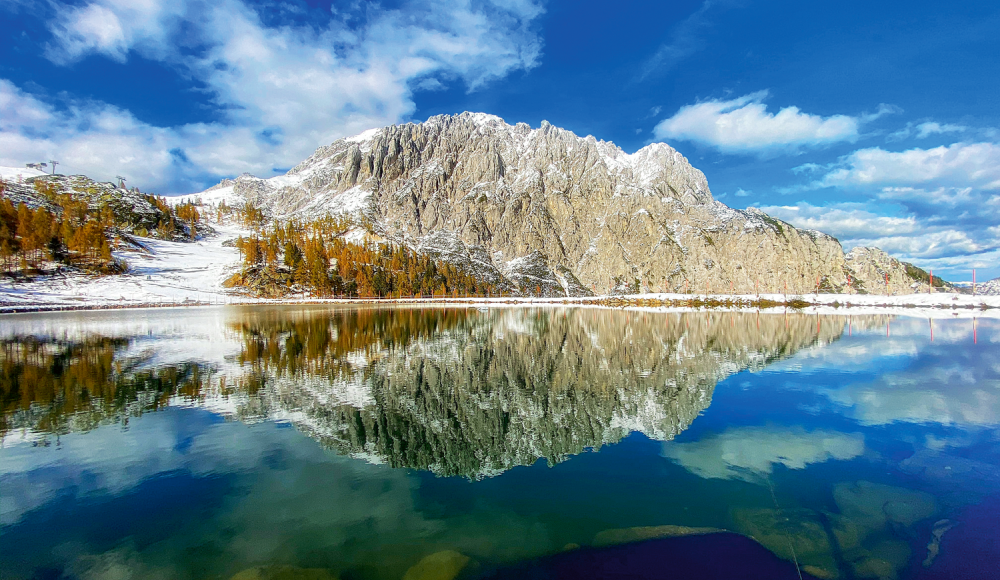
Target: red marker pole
[932, 282]
[886, 283]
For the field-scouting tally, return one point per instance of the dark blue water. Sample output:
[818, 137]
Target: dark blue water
[511, 443]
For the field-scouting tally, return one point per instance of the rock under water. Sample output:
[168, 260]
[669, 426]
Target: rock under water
[719, 556]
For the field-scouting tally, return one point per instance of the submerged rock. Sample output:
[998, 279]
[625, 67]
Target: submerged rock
[934, 546]
[284, 573]
[792, 534]
[693, 556]
[443, 565]
[874, 568]
[626, 535]
[873, 504]
[860, 536]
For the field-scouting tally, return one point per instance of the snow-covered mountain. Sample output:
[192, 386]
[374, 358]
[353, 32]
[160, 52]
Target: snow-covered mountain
[991, 288]
[546, 208]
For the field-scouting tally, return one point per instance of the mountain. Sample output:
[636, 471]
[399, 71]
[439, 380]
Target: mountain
[546, 208]
[991, 288]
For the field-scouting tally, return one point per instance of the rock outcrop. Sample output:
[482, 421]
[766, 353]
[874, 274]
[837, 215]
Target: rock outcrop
[552, 211]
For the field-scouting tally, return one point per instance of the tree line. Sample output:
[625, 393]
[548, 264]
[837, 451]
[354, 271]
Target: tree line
[313, 257]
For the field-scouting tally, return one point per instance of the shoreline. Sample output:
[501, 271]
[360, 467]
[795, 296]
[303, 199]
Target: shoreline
[934, 305]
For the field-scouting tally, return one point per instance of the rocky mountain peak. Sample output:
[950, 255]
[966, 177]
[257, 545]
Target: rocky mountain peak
[547, 210]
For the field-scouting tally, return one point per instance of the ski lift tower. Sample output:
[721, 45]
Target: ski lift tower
[121, 181]
[53, 164]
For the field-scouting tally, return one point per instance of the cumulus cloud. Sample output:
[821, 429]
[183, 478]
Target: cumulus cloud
[948, 395]
[846, 221]
[947, 382]
[283, 90]
[744, 125]
[941, 202]
[750, 453]
[956, 165]
[944, 242]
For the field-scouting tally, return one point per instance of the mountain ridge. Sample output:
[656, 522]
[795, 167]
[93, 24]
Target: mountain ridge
[549, 211]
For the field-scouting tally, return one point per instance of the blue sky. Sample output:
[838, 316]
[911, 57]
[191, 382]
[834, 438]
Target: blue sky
[876, 122]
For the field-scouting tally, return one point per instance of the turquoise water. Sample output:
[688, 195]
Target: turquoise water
[199, 443]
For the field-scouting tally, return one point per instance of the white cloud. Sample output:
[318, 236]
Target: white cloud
[957, 165]
[934, 244]
[946, 395]
[925, 130]
[743, 193]
[744, 125]
[112, 28]
[304, 85]
[750, 453]
[944, 199]
[908, 237]
[92, 28]
[846, 222]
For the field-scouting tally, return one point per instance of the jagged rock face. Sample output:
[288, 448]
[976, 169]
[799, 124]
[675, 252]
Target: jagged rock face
[489, 391]
[550, 210]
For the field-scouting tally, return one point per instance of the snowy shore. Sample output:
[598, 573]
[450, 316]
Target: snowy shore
[191, 274]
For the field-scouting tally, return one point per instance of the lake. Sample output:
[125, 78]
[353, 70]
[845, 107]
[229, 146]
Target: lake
[502, 442]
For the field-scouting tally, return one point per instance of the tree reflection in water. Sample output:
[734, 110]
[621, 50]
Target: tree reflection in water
[454, 391]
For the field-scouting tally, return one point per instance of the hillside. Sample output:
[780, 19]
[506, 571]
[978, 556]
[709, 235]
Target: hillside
[544, 208]
[55, 223]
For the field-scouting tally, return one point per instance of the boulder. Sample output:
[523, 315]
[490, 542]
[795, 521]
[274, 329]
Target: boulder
[443, 565]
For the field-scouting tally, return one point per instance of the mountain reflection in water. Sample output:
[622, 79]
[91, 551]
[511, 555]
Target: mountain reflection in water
[372, 443]
[452, 391]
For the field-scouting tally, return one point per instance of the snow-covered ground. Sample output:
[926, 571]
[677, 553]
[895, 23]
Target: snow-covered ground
[172, 273]
[18, 174]
[169, 273]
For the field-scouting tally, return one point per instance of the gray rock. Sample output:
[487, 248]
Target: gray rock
[553, 210]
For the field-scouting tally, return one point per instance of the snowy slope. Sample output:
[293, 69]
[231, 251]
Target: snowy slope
[991, 288]
[18, 174]
[169, 272]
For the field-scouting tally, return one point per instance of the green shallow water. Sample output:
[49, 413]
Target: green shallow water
[200, 443]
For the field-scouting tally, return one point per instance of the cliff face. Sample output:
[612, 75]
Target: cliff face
[544, 208]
